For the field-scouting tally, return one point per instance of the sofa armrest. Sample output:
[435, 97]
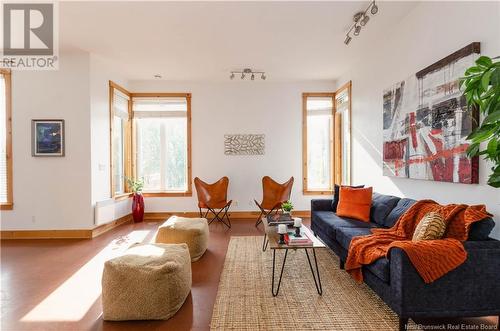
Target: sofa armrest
[321, 205]
[472, 289]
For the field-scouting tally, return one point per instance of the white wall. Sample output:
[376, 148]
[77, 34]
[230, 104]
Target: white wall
[430, 32]
[271, 108]
[51, 192]
[101, 72]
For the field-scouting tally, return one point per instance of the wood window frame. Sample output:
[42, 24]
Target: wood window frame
[9, 204]
[128, 142]
[336, 145]
[189, 191]
[338, 137]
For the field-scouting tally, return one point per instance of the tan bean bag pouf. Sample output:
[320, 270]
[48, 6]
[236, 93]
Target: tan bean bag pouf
[148, 282]
[192, 231]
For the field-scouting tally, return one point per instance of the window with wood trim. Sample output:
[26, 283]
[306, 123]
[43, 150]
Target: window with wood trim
[343, 135]
[6, 198]
[325, 140]
[120, 137]
[162, 131]
[318, 114]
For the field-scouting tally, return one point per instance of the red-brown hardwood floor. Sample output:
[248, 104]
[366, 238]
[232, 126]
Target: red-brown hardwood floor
[55, 284]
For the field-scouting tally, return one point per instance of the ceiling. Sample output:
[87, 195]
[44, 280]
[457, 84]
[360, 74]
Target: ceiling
[206, 40]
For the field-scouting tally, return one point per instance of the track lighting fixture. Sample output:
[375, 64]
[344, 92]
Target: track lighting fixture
[364, 20]
[249, 72]
[360, 20]
[357, 30]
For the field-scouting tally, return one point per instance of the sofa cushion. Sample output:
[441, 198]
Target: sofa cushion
[355, 203]
[345, 235]
[401, 207]
[382, 205]
[345, 222]
[325, 220]
[431, 227]
[481, 230]
[380, 268]
[336, 195]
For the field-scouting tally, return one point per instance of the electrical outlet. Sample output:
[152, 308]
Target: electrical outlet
[33, 219]
[235, 203]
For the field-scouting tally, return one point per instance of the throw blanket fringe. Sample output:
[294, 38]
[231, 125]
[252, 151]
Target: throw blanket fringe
[431, 258]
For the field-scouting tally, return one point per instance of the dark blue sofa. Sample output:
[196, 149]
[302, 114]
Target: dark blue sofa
[472, 289]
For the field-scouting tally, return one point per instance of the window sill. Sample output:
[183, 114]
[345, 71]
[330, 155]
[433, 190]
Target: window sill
[167, 194]
[122, 196]
[306, 192]
[6, 206]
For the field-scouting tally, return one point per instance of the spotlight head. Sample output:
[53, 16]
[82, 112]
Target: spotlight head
[364, 20]
[232, 75]
[357, 30]
[358, 16]
[347, 40]
[374, 9]
[263, 77]
[242, 76]
[252, 77]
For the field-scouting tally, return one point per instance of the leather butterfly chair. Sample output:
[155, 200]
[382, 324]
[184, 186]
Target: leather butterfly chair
[213, 198]
[274, 194]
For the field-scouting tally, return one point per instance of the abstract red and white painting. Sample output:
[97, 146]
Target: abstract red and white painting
[426, 122]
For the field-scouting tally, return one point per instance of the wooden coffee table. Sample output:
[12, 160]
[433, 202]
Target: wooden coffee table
[271, 238]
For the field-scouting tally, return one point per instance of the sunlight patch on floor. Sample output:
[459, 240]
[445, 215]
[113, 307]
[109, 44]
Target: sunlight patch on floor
[72, 300]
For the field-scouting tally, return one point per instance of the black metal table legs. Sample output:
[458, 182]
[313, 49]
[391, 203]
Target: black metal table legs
[317, 281]
[316, 277]
[265, 242]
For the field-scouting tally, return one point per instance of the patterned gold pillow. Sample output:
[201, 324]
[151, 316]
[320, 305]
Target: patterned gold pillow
[430, 227]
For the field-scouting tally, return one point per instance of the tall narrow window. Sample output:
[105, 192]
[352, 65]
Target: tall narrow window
[5, 141]
[318, 119]
[343, 135]
[326, 140]
[162, 139]
[120, 137]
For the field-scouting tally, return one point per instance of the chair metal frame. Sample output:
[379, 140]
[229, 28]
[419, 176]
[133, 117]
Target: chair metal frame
[264, 213]
[216, 214]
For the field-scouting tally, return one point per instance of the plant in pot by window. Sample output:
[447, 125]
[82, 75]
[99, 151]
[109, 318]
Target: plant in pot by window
[287, 207]
[481, 85]
[135, 185]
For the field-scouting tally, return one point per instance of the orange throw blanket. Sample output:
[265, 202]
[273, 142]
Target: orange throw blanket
[431, 258]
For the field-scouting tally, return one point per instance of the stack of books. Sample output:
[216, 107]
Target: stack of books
[279, 218]
[302, 240]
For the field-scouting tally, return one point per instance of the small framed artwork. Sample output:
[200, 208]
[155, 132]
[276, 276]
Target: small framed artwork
[47, 137]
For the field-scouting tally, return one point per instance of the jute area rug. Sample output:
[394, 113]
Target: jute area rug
[244, 300]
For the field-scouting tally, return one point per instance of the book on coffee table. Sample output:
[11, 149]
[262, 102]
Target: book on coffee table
[276, 219]
[302, 240]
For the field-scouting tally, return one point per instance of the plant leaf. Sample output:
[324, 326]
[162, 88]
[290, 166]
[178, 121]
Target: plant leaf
[485, 80]
[472, 150]
[484, 61]
[493, 117]
[492, 147]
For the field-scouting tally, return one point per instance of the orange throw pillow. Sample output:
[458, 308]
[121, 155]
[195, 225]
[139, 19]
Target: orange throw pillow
[355, 203]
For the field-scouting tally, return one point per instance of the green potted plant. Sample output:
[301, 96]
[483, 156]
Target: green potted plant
[136, 185]
[287, 207]
[481, 85]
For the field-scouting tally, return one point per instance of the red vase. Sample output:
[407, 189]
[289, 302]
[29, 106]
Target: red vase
[138, 208]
